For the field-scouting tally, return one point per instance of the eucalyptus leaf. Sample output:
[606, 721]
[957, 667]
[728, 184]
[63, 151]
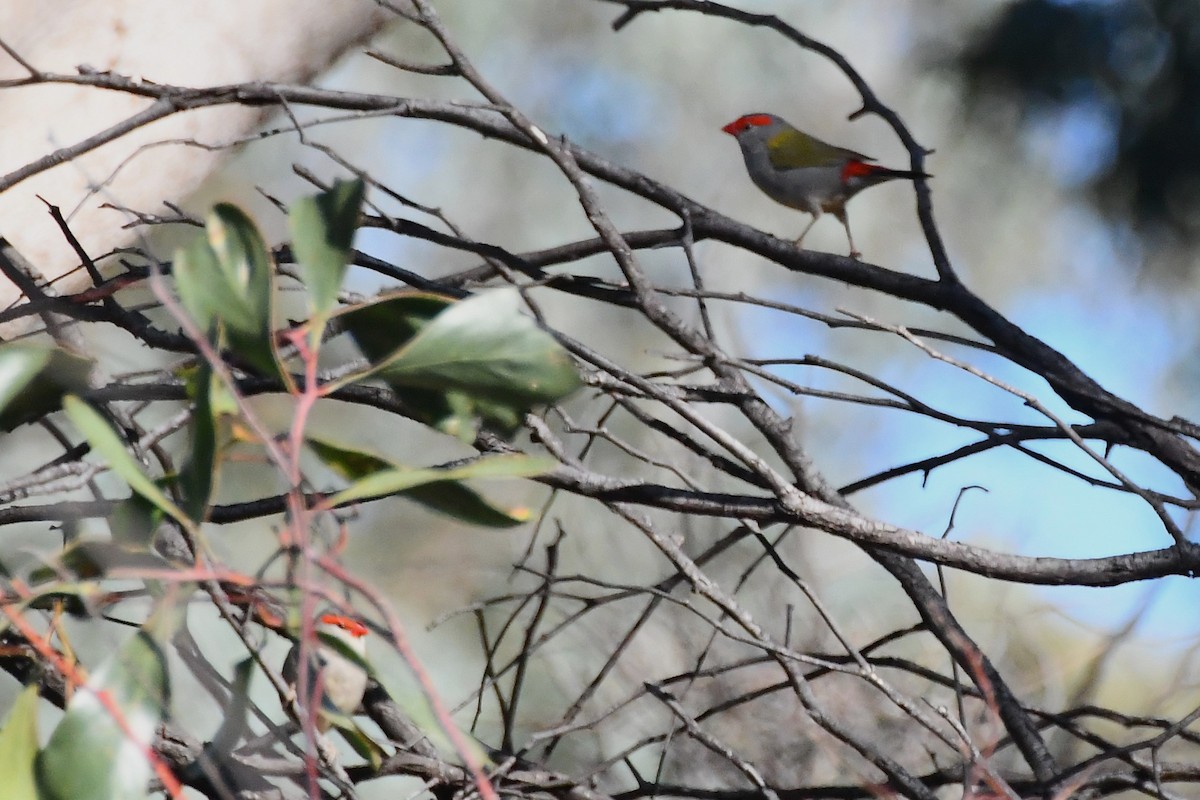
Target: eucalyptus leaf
[245, 265]
[322, 229]
[362, 744]
[347, 462]
[89, 559]
[33, 380]
[94, 756]
[381, 327]
[394, 481]
[225, 280]
[134, 522]
[198, 280]
[19, 747]
[198, 475]
[105, 441]
[448, 497]
[455, 363]
[485, 346]
[465, 504]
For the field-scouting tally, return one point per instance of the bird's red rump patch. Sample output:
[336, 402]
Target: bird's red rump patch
[747, 121]
[348, 624]
[857, 169]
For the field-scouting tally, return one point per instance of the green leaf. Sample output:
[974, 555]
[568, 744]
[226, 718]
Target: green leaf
[322, 230]
[93, 756]
[33, 379]
[393, 481]
[105, 441]
[501, 415]
[245, 266]
[19, 364]
[349, 464]
[198, 280]
[383, 326]
[362, 744]
[77, 599]
[89, 559]
[19, 746]
[198, 475]
[484, 346]
[453, 363]
[227, 279]
[134, 522]
[462, 503]
[453, 413]
[448, 497]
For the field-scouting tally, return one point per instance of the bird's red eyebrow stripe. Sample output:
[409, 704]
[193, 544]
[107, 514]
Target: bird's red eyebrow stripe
[747, 121]
[857, 169]
[350, 626]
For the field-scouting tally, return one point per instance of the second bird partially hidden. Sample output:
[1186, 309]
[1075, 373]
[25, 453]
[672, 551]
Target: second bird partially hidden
[804, 173]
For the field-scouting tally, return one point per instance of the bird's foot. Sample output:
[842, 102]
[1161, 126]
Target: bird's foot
[856, 255]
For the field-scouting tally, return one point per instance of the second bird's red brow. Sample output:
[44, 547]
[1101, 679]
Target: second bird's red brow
[351, 626]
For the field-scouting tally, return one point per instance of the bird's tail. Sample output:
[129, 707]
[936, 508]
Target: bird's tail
[874, 172]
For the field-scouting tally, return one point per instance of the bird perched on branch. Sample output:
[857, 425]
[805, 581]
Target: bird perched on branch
[804, 173]
[340, 679]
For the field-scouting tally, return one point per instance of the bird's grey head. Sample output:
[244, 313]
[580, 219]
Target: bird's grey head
[757, 127]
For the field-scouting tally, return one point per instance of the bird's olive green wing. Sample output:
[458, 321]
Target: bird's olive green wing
[793, 149]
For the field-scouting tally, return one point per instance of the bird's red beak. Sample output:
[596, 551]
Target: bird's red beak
[732, 128]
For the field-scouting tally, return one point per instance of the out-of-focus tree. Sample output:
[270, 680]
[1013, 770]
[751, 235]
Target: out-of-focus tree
[50, 130]
[1126, 75]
